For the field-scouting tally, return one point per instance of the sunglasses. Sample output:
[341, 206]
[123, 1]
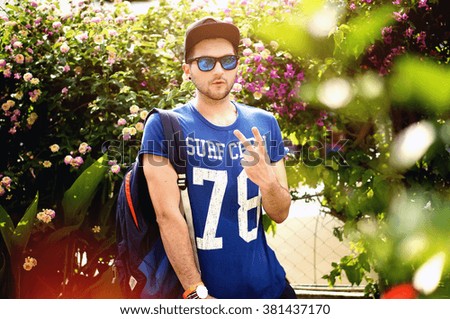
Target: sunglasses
[207, 63]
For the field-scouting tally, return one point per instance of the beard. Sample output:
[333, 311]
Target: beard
[214, 94]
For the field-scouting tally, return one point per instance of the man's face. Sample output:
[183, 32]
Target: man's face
[217, 83]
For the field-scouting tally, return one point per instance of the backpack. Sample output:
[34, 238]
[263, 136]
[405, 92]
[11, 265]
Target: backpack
[143, 268]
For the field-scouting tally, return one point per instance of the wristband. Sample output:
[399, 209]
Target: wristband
[197, 291]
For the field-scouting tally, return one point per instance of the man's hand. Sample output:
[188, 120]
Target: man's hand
[256, 161]
[271, 179]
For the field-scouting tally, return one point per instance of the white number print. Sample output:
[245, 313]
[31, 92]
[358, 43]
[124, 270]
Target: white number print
[220, 179]
[244, 206]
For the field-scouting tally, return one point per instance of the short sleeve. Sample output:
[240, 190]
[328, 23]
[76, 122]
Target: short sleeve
[276, 147]
[153, 137]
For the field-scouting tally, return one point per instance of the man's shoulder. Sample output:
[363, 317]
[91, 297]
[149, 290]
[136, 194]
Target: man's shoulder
[253, 111]
[182, 108]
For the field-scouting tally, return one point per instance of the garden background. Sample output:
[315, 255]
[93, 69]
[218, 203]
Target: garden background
[361, 90]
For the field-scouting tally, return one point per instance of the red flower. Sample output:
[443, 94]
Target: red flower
[402, 291]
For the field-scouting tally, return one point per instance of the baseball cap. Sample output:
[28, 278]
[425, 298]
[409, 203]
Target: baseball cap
[210, 28]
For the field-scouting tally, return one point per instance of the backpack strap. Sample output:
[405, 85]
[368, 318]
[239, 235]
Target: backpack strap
[130, 199]
[174, 138]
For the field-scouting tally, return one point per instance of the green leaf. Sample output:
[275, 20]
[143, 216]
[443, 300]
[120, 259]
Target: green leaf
[433, 89]
[269, 224]
[61, 233]
[6, 228]
[23, 230]
[366, 30]
[78, 197]
[353, 274]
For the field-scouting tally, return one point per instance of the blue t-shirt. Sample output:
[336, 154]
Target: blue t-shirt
[235, 260]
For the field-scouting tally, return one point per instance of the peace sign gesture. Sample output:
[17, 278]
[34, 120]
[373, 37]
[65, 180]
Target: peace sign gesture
[256, 161]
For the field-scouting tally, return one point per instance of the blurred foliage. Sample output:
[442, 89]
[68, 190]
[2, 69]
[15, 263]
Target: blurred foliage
[385, 82]
[346, 79]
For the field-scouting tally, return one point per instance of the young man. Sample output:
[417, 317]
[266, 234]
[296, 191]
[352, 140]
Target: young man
[231, 171]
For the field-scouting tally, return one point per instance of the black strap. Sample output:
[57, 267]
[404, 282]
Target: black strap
[174, 140]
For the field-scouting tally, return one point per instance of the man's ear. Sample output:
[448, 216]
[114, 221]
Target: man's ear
[187, 71]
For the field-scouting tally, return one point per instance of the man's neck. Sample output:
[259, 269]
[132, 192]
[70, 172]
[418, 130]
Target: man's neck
[218, 112]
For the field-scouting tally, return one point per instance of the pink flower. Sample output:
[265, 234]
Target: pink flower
[12, 130]
[64, 90]
[77, 162]
[121, 121]
[409, 32]
[7, 73]
[259, 47]
[423, 4]
[64, 47]
[247, 52]
[56, 25]
[257, 58]
[46, 215]
[289, 74]
[247, 42]
[96, 20]
[112, 33]
[66, 68]
[82, 37]
[27, 77]
[68, 159]
[352, 6]
[421, 37]
[34, 95]
[260, 69]
[115, 169]
[6, 181]
[274, 74]
[2, 63]
[84, 148]
[17, 76]
[400, 16]
[19, 58]
[50, 212]
[17, 44]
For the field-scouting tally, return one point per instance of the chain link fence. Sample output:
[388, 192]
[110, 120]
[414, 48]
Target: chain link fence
[306, 247]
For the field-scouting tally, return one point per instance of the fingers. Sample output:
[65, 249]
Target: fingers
[247, 144]
[258, 138]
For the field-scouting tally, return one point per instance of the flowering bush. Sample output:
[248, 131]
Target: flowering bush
[386, 170]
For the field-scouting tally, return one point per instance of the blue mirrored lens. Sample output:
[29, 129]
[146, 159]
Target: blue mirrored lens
[206, 64]
[228, 62]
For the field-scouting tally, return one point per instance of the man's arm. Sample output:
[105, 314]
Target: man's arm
[276, 198]
[271, 178]
[165, 195]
